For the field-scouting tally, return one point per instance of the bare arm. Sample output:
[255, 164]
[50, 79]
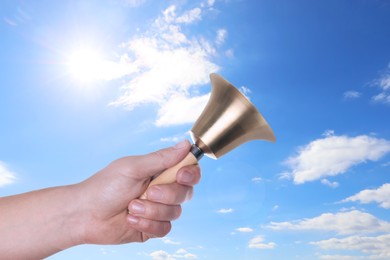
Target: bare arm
[40, 223]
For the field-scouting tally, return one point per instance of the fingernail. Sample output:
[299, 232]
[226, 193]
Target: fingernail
[187, 177]
[155, 193]
[181, 144]
[137, 207]
[132, 219]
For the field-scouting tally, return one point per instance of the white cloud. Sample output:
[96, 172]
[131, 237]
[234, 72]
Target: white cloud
[132, 3]
[343, 223]
[333, 184]
[176, 138]
[352, 94]
[380, 196]
[180, 109]
[182, 253]
[169, 68]
[6, 176]
[334, 155]
[161, 255]
[386, 164]
[328, 133]
[229, 53]
[179, 254]
[383, 97]
[245, 91]
[225, 211]
[210, 2]
[378, 247]
[221, 36]
[284, 176]
[190, 16]
[340, 257]
[384, 85]
[257, 179]
[244, 230]
[9, 21]
[258, 242]
[169, 241]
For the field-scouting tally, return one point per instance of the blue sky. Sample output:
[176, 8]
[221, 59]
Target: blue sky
[85, 82]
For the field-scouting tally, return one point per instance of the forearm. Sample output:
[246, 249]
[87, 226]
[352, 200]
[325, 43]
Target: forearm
[37, 224]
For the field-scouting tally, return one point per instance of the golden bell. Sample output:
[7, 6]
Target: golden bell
[228, 120]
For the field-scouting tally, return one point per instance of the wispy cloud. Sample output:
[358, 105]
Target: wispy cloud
[340, 257]
[244, 230]
[190, 16]
[9, 21]
[6, 176]
[352, 94]
[383, 83]
[258, 242]
[380, 196]
[175, 138]
[179, 254]
[167, 240]
[257, 179]
[225, 211]
[132, 3]
[171, 66]
[221, 36]
[332, 184]
[378, 247]
[334, 155]
[343, 223]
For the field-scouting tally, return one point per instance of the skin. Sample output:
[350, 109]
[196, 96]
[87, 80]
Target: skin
[103, 209]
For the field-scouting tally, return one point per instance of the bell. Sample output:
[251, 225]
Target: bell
[228, 120]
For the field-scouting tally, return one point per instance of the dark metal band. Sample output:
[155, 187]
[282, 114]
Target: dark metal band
[197, 152]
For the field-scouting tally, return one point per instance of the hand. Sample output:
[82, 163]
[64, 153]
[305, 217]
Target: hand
[111, 211]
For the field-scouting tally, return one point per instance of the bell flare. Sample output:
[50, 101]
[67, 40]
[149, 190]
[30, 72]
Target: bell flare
[228, 120]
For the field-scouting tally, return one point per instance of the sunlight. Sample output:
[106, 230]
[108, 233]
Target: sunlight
[86, 65]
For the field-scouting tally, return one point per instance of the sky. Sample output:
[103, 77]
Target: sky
[83, 83]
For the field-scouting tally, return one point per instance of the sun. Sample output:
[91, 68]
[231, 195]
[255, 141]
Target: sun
[86, 65]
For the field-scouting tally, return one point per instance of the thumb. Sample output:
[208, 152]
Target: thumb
[153, 163]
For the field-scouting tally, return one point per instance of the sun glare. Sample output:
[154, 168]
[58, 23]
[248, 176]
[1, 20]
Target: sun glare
[86, 65]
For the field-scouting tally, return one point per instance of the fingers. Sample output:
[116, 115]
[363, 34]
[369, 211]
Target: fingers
[189, 175]
[153, 210]
[179, 192]
[153, 215]
[152, 228]
[171, 194]
[152, 218]
[155, 162]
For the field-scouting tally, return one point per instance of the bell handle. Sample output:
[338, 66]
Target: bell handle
[169, 175]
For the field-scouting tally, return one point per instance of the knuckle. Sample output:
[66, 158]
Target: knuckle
[161, 158]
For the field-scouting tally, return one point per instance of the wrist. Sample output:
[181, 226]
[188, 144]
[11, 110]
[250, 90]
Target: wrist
[73, 216]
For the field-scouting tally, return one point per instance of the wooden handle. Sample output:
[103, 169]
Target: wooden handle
[169, 175]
